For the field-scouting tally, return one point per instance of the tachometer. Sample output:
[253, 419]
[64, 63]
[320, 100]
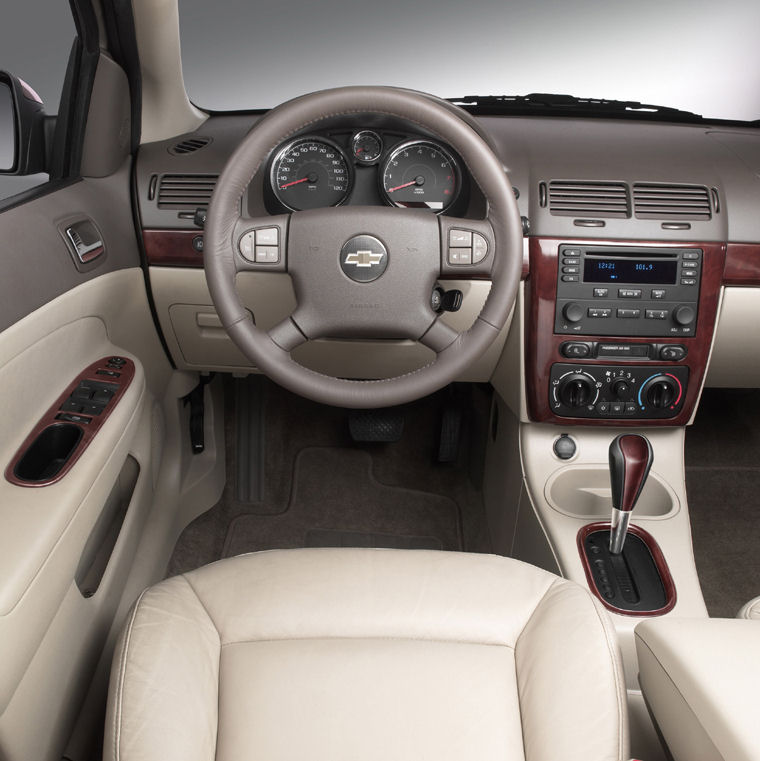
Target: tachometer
[310, 173]
[420, 174]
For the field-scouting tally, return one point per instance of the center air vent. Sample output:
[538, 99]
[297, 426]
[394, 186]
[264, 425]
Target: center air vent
[687, 202]
[185, 191]
[589, 199]
[189, 145]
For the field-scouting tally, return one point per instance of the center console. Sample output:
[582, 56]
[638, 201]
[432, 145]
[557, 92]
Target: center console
[619, 334]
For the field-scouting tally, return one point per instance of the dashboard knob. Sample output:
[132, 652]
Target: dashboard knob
[684, 315]
[573, 312]
[661, 392]
[576, 390]
[622, 389]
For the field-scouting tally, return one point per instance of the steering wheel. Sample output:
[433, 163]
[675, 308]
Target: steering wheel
[360, 271]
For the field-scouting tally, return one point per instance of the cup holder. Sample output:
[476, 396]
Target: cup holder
[48, 453]
[583, 491]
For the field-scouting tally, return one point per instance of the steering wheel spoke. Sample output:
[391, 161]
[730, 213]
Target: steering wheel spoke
[287, 335]
[467, 247]
[439, 336]
[260, 243]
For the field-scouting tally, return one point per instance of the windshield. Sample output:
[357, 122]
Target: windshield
[689, 54]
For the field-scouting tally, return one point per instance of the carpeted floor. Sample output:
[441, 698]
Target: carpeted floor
[295, 479]
[723, 484]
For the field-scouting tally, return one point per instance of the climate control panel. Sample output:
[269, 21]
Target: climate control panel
[617, 392]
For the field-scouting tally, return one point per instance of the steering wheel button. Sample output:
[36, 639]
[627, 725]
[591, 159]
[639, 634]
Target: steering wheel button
[267, 236]
[479, 248]
[267, 254]
[246, 246]
[460, 256]
[460, 238]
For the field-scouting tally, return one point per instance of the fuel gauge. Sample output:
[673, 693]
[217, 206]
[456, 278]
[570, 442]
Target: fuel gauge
[366, 147]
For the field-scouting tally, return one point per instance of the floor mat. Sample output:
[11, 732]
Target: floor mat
[334, 490]
[396, 490]
[722, 484]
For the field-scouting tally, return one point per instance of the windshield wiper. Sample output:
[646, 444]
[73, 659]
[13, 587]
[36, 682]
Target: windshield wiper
[547, 104]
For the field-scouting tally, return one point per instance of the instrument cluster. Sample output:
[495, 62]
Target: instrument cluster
[364, 167]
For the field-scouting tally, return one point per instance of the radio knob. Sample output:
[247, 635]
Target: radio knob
[576, 390]
[573, 312]
[661, 392]
[684, 315]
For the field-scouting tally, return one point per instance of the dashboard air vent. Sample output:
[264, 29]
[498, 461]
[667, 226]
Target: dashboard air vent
[185, 191]
[190, 145]
[651, 201]
[589, 199]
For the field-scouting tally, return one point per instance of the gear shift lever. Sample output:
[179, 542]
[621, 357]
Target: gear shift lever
[630, 461]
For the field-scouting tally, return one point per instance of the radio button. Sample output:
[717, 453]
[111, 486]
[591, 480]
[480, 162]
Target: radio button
[658, 293]
[684, 315]
[690, 265]
[571, 252]
[573, 312]
[656, 314]
[571, 270]
[688, 281]
[629, 293]
[570, 278]
[628, 314]
[691, 254]
[595, 312]
[600, 293]
[571, 260]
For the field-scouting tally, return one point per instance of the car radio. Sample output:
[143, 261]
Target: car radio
[627, 291]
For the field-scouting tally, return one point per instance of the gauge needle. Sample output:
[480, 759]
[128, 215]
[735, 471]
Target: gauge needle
[295, 182]
[416, 181]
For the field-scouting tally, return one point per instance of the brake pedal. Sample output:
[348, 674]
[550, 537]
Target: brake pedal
[384, 426]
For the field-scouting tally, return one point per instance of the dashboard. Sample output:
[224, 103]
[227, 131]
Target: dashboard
[641, 260]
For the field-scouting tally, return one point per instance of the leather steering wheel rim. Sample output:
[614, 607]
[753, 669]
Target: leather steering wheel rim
[270, 351]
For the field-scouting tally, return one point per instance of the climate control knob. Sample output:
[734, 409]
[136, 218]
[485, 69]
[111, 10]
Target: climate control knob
[684, 315]
[573, 312]
[622, 389]
[576, 390]
[661, 392]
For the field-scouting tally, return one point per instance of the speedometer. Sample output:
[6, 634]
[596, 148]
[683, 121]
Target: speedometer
[420, 174]
[310, 173]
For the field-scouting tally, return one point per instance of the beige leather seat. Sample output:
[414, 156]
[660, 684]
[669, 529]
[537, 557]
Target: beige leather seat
[367, 655]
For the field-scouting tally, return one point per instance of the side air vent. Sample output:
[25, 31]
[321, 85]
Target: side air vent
[687, 202]
[185, 191]
[589, 199]
[190, 145]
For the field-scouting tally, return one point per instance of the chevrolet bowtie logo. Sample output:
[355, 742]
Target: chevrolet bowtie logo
[363, 258]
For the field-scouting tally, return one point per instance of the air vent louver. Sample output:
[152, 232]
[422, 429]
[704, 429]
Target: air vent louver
[190, 145]
[687, 202]
[589, 199]
[185, 191]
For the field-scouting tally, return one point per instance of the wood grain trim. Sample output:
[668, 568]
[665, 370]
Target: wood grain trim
[659, 561]
[742, 264]
[172, 248]
[542, 344]
[89, 431]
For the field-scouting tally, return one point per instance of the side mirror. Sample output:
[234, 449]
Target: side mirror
[22, 127]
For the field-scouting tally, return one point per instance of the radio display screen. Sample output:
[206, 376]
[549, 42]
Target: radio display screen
[620, 270]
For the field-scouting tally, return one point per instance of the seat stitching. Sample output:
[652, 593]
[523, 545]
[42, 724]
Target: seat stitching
[121, 679]
[613, 660]
[267, 640]
[219, 661]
